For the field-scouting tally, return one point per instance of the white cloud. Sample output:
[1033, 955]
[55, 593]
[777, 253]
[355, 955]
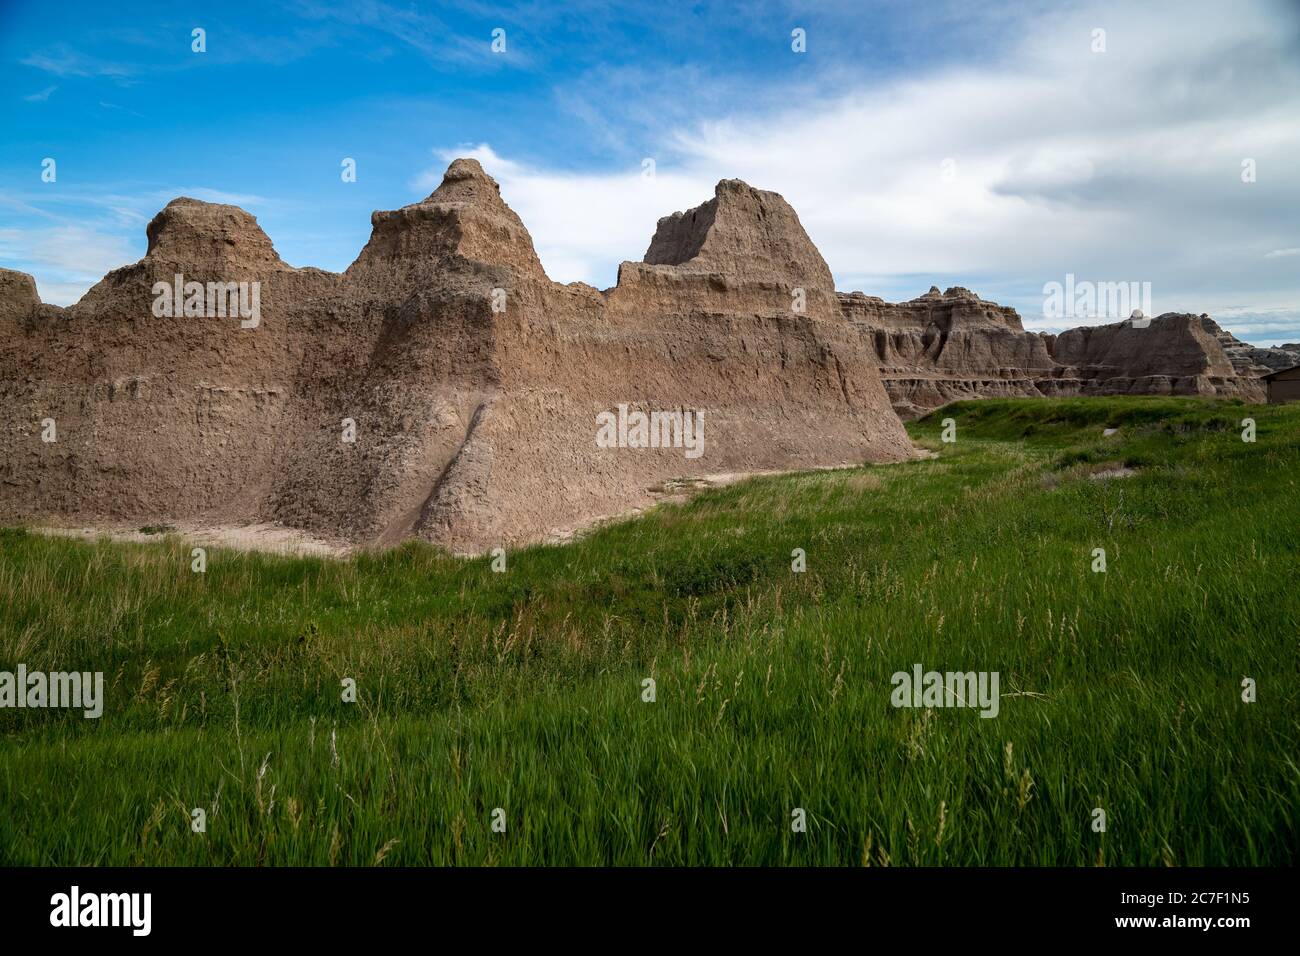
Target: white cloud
[60, 293]
[71, 254]
[68, 259]
[1120, 166]
[1283, 253]
[78, 251]
[582, 225]
[62, 60]
[160, 197]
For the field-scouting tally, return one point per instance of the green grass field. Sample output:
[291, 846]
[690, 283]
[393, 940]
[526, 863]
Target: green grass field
[523, 690]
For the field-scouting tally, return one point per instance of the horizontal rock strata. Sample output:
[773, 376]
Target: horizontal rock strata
[943, 347]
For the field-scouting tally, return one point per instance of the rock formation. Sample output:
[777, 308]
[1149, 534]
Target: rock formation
[1174, 355]
[1248, 360]
[444, 388]
[471, 381]
[944, 347]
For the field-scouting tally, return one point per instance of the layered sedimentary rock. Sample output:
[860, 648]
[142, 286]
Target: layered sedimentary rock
[1175, 354]
[1249, 360]
[441, 388]
[942, 347]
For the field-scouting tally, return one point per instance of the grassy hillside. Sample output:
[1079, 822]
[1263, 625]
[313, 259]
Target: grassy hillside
[523, 690]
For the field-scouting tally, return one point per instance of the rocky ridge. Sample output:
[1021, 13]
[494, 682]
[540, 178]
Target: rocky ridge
[1248, 359]
[943, 347]
[471, 381]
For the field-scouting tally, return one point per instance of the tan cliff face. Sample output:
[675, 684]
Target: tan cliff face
[471, 381]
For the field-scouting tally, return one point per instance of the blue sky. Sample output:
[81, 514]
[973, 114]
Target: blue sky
[949, 143]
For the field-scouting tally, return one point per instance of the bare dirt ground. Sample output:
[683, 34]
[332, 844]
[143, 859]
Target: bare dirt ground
[270, 538]
[278, 539]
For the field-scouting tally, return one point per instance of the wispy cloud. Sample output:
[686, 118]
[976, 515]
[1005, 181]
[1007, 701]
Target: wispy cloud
[160, 197]
[66, 259]
[613, 214]
[123, 109]
[62, 60]
[421, 31]
[79, 235]
[41, 96]
[1262, 327]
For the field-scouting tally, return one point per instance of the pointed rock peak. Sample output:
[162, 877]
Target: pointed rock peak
[464, 218]
[18, 296]
[209, 235]
[728, 186]
[466, 167]
[741, 231]
[465, 181]
[18, 286]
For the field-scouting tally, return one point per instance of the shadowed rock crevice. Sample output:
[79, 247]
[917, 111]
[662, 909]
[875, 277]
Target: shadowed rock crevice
[681, 236]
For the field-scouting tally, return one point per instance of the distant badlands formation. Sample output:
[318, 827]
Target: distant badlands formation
[473, 383]
[942, 347]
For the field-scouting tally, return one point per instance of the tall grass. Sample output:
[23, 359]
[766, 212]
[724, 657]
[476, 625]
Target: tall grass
[523, 690]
